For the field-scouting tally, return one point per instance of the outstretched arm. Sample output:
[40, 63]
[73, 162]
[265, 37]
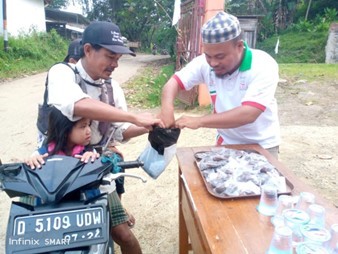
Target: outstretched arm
[229, 119]
[169, 93]
[97, 110]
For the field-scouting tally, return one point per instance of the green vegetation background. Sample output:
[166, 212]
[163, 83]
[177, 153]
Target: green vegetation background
[301, 55]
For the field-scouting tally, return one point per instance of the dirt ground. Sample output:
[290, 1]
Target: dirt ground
[308, 116]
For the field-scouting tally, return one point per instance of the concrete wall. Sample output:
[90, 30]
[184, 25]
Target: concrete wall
[23, 16]
[331, 48]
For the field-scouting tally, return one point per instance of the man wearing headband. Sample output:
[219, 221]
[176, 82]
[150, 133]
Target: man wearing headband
[241, 82]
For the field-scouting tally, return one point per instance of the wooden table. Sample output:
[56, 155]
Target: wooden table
[208, 224]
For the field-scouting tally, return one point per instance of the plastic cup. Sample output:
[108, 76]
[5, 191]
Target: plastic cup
[294, 219]
[268, 201]
[317, 215]
[281, 242]
[333, 244]
[315, 234]
[305, 200]
[284, 202]
[311, 248]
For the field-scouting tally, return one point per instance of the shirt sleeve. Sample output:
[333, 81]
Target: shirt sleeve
[261, 92]
[63, 91]
[193, 73]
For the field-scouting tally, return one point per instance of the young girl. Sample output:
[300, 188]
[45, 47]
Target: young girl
[65, 138]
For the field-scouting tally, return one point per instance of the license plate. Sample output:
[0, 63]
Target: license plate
[42, 232]
[59, 221]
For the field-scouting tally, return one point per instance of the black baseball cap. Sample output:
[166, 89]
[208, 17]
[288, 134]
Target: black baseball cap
[74, 50]
[106, 35]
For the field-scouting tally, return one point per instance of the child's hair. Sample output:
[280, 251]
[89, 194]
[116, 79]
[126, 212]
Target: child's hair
[59, 128]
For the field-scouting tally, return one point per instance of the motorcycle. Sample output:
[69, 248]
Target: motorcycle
[70, 214]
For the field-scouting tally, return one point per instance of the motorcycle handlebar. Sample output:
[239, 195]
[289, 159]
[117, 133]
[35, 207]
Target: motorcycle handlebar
[130, 164]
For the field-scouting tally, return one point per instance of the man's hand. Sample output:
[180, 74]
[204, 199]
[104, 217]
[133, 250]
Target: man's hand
[188, 122]
[36, 161]
[167, 118]
[88, 156]
[148, 121]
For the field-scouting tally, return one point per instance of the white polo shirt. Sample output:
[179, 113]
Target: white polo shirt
[64, 91]
[254, 83]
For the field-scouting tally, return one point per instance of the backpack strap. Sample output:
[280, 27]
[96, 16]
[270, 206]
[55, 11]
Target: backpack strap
[45, 94]
[110, 92]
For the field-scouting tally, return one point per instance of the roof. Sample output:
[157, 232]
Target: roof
[74, 28]
[63, 16]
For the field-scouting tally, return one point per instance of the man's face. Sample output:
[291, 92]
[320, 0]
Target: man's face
[100, 63]
[224, 57]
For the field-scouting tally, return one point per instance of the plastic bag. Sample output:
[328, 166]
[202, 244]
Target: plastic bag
[160, 150]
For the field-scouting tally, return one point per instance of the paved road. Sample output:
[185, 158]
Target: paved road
[18, 110]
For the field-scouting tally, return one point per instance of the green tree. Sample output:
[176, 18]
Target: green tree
[147, 21]
[58, 4]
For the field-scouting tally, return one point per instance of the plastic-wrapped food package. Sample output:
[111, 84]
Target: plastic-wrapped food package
[160, 150]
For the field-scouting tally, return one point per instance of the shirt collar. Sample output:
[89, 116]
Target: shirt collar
[85, 75]
[247, 59]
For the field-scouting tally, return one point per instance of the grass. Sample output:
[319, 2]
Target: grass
[144, 91]
[308, 72]
[31, 54]
[297, 47]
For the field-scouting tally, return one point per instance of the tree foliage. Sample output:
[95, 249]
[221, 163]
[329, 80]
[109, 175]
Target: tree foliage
[58, 4]
[278, 15]
[147, 21]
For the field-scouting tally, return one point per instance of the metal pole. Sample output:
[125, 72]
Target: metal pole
[5, 25]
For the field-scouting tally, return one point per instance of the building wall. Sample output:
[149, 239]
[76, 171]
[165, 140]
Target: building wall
[1, 18]
[23, 16]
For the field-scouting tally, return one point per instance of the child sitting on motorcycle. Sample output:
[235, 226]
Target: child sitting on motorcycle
[65, 138]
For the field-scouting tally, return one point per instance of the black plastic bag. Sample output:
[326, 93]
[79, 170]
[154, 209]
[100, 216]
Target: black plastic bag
[161, 138]
[160, 150]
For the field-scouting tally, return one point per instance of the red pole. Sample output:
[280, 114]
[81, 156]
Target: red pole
[4, 9]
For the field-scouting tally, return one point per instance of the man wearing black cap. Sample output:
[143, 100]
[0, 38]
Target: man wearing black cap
[118, 131]
[241, 82]
[101, 48]
[74, 52]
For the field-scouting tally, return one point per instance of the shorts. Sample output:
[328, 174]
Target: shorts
[118, 214]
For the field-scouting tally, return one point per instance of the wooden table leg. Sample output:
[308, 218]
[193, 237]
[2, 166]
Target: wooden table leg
[184, 245]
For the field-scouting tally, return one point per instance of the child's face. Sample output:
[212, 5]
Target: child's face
[80, 134]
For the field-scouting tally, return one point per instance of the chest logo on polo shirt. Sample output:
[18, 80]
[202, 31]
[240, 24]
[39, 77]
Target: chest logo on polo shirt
[242, 84]
[211, 79]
